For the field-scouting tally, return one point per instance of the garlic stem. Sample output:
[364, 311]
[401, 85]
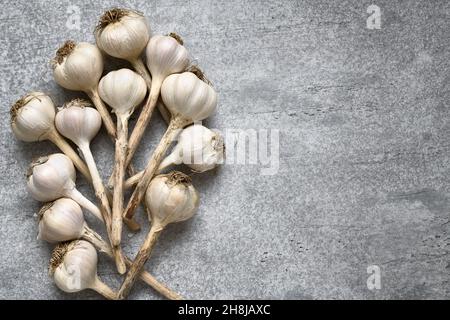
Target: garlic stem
[142, 256]
[84, 202]
[94, 238]
[119, 175]
[172, 131]
[105, 209]
[133, 180]
[143, 120]
[103, 289]
[104, 113]
[97, 241]
[65, 147]
[139, 66]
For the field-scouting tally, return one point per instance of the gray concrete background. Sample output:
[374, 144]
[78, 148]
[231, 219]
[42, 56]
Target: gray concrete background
[364, 149]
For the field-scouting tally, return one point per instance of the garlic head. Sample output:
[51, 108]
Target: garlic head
[200, 148]
[73, 266]
[61, 220]
[186, 96]
[77, 121]
[164, 56]
[32, 117]
[171, 198]
[78, 67]
[122, 33]
[123, 90]
[49, 177]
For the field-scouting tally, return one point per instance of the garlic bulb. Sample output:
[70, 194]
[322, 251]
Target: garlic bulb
[122, 33]
[53, 177]
[32, 119]
[123, 90]
[62, 220]
[164, 57]
[80, 123]
[73, 266]
[77, 121]
[79, 67]
[189, 99]
[170, 198]
[198, 147]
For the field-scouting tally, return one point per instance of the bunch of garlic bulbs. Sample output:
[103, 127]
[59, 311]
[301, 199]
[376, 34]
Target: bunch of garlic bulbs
[165, 79]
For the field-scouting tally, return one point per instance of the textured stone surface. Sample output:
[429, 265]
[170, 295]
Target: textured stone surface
[364, 149]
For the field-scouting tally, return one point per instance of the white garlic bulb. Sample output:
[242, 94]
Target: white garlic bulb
[61, 220]
[122, 33]
[123, 90]
[53, 177]
[77, 121]
[50, 177]
[32, 117]
[74, 268]
[165, 56]
[198, 147]
[188, 97]
[171, 198]
[78, 67]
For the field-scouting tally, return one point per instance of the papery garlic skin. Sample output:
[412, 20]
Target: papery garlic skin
[188, 97]
[198, 147]
[78, 122]
[80, 69]
[51, 177]
[164, 56]
[32, 117]
[171, 198]
[61, 220]
[124, 36]
[123, 90]
[77, 269]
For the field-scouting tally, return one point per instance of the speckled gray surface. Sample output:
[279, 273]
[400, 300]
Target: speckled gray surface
[364, 149]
